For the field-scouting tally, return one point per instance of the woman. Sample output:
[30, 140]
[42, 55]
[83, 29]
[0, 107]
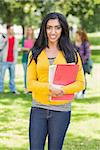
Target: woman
[27, 43]
[52, 46]
[83, 46]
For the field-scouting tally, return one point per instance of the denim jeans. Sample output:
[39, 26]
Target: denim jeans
[0, 69]
[25, 70]
[11, 67]
[45, 122]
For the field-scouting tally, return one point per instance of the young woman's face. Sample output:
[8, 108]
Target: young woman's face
[29, 31]
[10, 31]
[53, 30]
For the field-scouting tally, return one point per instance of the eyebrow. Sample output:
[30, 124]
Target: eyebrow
[54, 26]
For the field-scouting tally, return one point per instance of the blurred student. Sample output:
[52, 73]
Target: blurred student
[83, 46]
[9, 55]
[2, 45]
[27, 44]
[51, 118]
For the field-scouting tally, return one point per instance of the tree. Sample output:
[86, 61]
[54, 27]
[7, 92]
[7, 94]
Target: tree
[30, 12]
[88, 13]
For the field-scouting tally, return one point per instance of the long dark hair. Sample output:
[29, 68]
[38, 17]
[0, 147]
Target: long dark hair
[64, 42]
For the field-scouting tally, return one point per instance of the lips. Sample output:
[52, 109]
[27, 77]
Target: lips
[53, 37]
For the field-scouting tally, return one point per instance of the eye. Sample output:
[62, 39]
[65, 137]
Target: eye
[48, 27]
[58, 27]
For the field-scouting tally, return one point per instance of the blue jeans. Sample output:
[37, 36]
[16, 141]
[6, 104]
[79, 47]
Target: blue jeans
[0, 69]
[45, 122]
[25, 70]
[11, 67]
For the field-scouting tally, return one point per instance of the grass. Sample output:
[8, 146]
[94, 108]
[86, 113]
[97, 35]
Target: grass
[94, 40]
[84, 130]
[83, 133]
[96, 56]
[14, 121]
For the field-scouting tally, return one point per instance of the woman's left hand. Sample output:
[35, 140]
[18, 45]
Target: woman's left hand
[56, 91]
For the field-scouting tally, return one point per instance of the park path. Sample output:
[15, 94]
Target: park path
[95, 47]
[93, 81]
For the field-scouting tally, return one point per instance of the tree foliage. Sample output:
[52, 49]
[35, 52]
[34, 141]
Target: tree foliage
[30, 12]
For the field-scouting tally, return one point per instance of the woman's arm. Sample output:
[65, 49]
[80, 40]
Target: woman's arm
[32, 83]
[87, 51]
[79, 84]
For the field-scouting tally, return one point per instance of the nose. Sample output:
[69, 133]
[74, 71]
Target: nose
[53, 30]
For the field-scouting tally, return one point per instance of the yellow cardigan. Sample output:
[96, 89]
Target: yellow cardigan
[37, 79]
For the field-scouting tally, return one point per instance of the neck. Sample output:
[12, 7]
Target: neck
[79, 41]
[10, 35]
[53, 46]
[29, 37]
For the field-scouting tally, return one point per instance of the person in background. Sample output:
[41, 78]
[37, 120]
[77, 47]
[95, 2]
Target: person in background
[9, 59]
[2, 45]
[27, 44]
[51, 118]
[83, 46]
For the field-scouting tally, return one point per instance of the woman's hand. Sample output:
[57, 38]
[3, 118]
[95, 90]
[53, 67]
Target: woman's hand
[56, 90]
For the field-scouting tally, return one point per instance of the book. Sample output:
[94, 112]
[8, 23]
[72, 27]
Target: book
[52, 69]
[64, 74]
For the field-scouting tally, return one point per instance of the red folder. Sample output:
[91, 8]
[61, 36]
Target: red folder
[65, 74]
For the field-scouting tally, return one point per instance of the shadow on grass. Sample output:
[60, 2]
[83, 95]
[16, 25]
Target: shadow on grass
[73, 142]
[80, 112]
[89, 100]
[24, 100]
[8, 98]
[85, 116]
[10, 148]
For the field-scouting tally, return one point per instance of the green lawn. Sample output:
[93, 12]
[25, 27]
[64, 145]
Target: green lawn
[94, 40]
[96, 56]
[14, 115]
[84, 130]
[83, 134]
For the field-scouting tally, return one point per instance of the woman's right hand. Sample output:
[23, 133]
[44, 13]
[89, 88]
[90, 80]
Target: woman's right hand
[56, 90]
